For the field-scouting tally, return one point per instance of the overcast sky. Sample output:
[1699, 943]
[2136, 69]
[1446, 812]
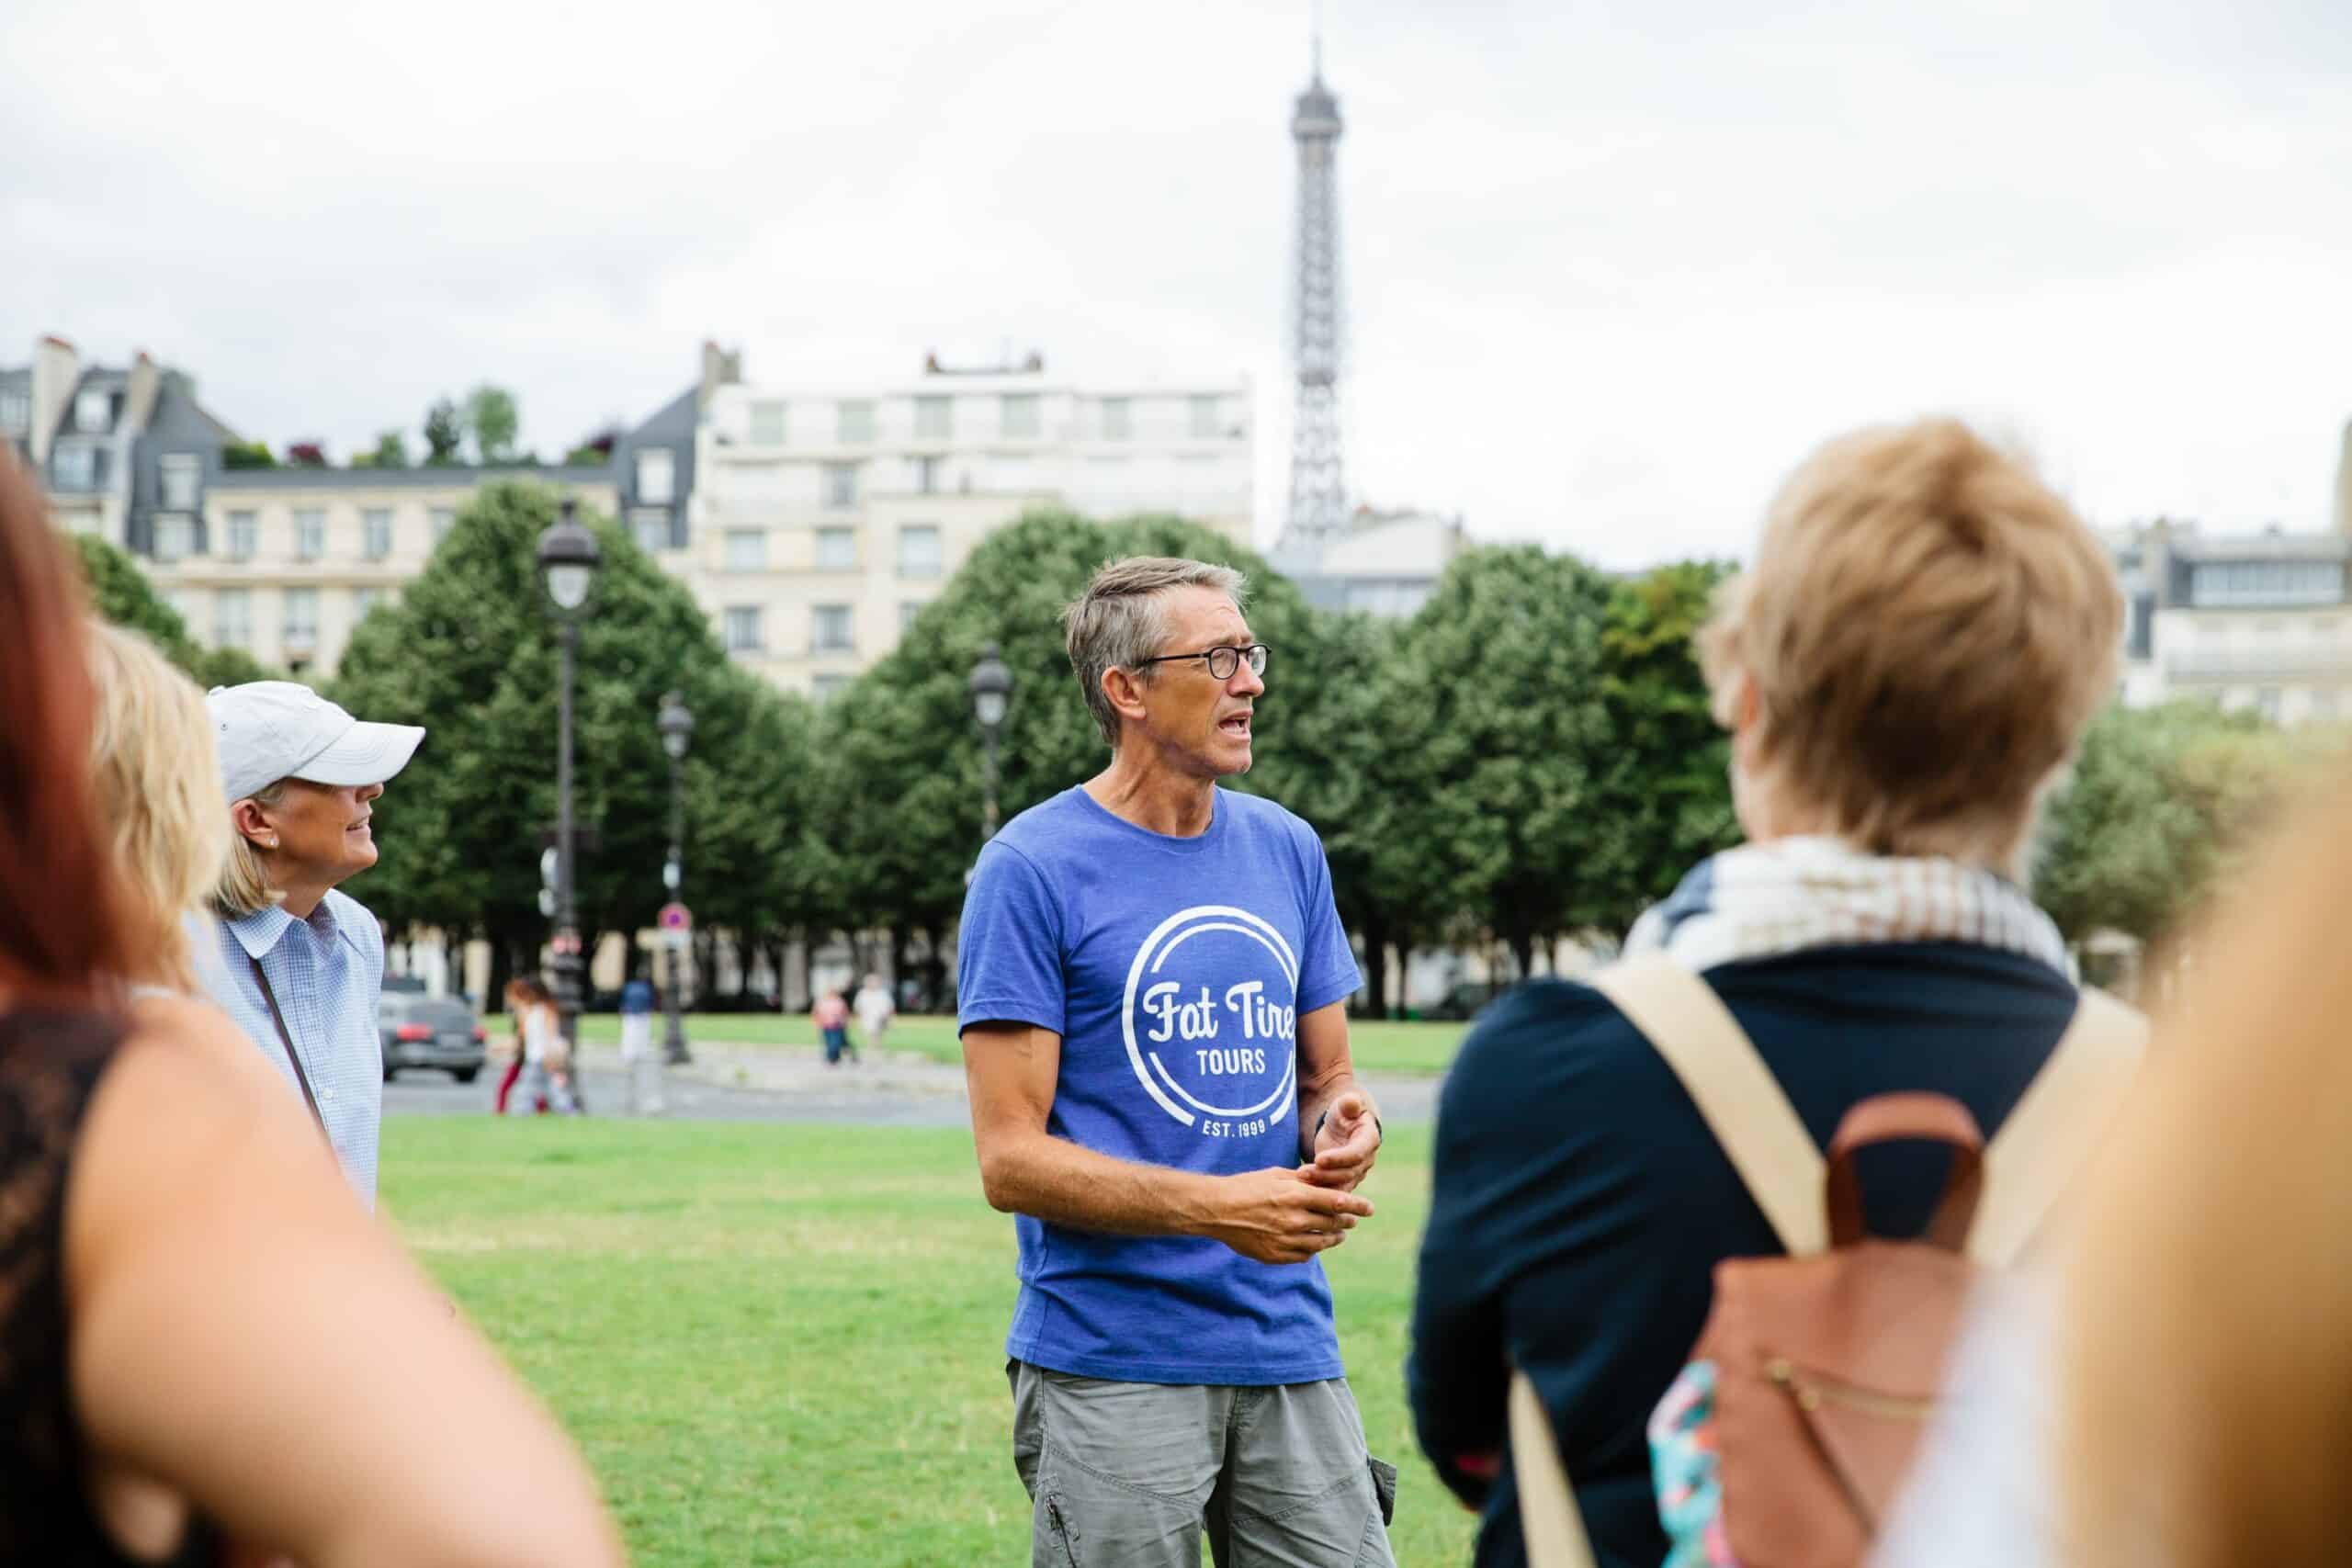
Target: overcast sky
[1610, 268]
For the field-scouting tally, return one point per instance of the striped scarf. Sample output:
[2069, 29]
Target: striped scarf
[1758, 900]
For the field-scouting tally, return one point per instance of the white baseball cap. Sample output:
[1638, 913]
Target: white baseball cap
[268, 730]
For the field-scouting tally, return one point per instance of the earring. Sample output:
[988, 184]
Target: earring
[273, 843]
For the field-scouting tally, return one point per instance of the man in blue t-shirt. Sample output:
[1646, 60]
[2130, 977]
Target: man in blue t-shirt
[1151, 987]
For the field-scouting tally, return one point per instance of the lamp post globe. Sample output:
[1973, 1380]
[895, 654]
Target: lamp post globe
[675, 723]
[992, 689]
[568, 559]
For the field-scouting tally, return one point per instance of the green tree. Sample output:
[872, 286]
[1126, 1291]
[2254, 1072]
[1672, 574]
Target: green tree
[1508, 657]
[445, 432]
[494, 421]
[1663, 795]
[471, 653]
[391, 451]
[244, 454]
[2159, 802]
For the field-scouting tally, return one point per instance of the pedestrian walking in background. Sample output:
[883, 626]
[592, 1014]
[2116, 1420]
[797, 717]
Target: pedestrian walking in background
[203, 1338]
[830, 1015]
[540, 1047]
[302, 966]
[1153, 981]
[874, 1010]
[637, 1019]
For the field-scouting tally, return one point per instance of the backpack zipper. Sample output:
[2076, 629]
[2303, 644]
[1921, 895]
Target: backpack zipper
[1811, 1393]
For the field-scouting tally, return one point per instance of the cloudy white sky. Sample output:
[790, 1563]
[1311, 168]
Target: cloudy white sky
[1611, 267]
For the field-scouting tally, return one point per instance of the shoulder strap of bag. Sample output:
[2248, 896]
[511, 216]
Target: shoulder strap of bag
[1750, 1114]
[1547, 1509]
[287, 1040]
[2033, 1159]
[1742, 1103]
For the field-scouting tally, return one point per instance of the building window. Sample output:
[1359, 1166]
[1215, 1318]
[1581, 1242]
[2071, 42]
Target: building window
[444, 519]
[175, 537]
[657, 476]
[244, 535]
[232, 617]
[182, 470]
[841, 484]
[908, 610]
[93, 411]
[650, 527]
[301, 618]
[854, 424]
[74, 466]
[919, 550]
[1118, 419]
[927, 476]
[15, 411]
[1022, 414]
[747, 550]
[2255, 582]
[767, 424]
[376, 532]
[310, 534]
[934, 419]
[1204, 422]
[836, 549]
[825, 688]
[829, 629]
[743, 629]
[364, 600]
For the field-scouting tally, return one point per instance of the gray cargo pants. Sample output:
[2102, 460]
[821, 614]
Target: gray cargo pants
[1128, 1474]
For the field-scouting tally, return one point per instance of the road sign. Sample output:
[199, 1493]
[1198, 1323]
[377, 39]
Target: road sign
[675, 917]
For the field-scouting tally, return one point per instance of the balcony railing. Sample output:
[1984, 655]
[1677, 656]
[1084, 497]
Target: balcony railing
[2221, 665]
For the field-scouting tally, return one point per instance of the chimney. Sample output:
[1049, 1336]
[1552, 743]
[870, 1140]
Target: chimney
[57, 370]
[720, 367]
[146, 381]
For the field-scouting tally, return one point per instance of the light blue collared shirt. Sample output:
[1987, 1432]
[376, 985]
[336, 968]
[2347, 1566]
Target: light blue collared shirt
[327, 973]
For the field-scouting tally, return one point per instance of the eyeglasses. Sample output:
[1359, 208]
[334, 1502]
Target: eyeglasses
[1222, 662]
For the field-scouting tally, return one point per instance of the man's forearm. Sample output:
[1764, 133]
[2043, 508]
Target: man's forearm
[1054, 1179]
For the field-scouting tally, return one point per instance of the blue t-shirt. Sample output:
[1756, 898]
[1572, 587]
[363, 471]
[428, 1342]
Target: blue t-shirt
[1175, 971]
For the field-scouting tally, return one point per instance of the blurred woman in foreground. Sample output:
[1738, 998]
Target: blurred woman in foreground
[2174, 1387]
[201, 1340]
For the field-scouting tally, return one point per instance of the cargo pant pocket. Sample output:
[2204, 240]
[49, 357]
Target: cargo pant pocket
[1384, 1486]
[1085, 1518]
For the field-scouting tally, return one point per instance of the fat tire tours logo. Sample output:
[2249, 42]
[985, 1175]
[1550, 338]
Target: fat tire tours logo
[1237, 1029]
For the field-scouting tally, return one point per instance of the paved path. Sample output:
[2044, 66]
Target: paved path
[785, 1083]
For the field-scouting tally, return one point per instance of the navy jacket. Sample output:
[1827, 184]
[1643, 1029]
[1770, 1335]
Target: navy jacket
[1580, 1204]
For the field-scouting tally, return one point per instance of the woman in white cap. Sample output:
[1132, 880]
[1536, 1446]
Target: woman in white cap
[301, 965]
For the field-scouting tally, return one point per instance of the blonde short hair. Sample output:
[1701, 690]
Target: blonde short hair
[1928, 628]
[245, 886]
[158, 789]
[1120, 620]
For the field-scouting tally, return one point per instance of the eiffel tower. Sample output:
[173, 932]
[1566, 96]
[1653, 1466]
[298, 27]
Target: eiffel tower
[1318, 497]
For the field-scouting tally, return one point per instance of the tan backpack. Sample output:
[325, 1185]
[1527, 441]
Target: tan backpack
[1826, 1361]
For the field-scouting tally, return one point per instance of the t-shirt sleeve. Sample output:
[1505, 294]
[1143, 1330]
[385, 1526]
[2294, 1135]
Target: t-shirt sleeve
[1327, 969]
[1009, 947]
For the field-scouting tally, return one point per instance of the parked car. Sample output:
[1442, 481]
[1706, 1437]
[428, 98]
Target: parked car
[1465, 999]
[421, 1031]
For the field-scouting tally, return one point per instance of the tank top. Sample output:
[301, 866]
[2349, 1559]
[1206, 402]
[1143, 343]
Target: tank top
[50, 1066]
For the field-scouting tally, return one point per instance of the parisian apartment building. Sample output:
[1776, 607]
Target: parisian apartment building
[812, 522]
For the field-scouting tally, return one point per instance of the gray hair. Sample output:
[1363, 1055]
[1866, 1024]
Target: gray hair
[1122, 619]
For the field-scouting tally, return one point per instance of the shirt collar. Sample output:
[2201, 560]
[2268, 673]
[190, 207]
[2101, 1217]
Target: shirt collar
[267, 927]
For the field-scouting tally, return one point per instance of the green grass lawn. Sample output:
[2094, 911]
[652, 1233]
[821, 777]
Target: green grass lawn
[783, 1344]
[1379, 1046]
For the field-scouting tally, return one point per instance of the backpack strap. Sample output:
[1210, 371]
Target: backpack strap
[1547, 1509]
[1741, 1101]
[2045, 1141]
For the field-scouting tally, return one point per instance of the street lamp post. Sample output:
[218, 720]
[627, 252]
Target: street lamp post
[991, 685]
[568, 563]
[676, 724]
